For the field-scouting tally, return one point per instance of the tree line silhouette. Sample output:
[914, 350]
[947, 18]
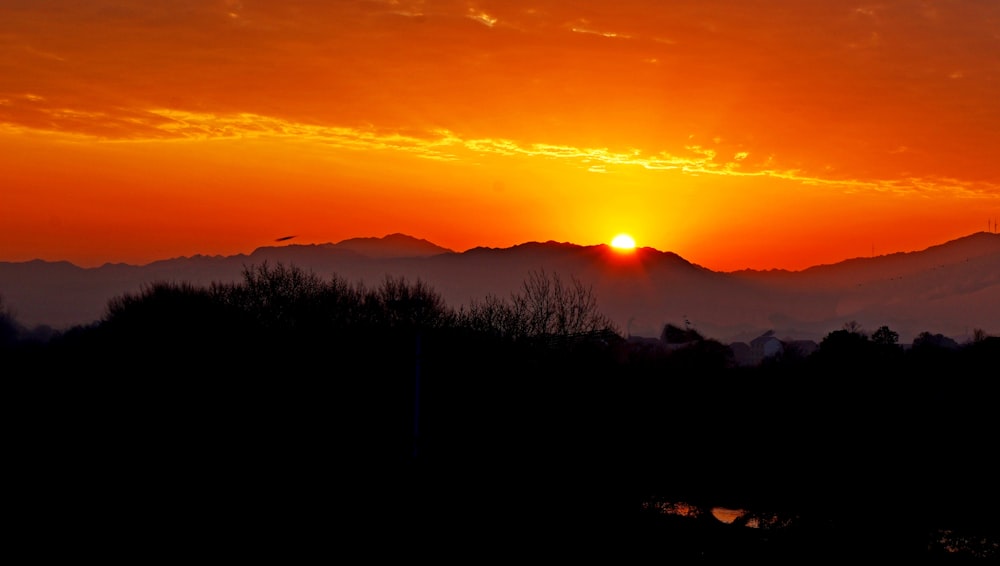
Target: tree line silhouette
[511, 421]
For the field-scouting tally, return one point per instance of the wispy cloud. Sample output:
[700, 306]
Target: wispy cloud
[600, 33]
[585, 27]
[165, 125]
[482, 17]
[44, 54]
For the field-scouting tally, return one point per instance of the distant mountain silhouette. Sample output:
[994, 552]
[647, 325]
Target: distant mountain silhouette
[952, 288]
[392, 246]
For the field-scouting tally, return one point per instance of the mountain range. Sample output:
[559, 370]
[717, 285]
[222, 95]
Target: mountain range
[951, 289]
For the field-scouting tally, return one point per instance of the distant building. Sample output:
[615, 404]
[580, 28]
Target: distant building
[765, 346]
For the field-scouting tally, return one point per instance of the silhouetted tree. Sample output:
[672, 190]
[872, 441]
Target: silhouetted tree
[277, 298]
[174, 329]
[676, 335]
[545, 307]
[792, 353]
[843, 343]
[701, 355]
[494, 316]
[886, 337]
[8, 325]
[854, 327]
[397, 303]
[933, 354]
[555, 308]
[927, 340]
[979, 335]
[167, 313]
[160, 306]
[843, 350]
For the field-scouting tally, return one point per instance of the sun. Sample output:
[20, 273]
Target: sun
[623, 242]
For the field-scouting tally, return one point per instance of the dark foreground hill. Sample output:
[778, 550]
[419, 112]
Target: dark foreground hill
[286, 415]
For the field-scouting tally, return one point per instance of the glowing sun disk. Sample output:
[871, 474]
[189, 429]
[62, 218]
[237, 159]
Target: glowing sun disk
[623, 242]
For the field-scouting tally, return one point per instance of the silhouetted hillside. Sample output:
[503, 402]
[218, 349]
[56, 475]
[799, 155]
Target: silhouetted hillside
[522, 423]
[392, 246]
[953, 288]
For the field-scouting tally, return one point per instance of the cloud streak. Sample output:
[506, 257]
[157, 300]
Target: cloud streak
[172, 125]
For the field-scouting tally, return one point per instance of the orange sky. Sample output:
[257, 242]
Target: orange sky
[736, 134]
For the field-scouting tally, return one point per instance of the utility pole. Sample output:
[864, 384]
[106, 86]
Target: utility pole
[416, 397]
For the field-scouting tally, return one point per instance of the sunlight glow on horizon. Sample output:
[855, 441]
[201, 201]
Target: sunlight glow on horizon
[121, 141]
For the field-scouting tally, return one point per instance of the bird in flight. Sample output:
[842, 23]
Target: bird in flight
[283, 238]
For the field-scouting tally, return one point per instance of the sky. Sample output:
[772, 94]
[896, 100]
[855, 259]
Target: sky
[779, 134]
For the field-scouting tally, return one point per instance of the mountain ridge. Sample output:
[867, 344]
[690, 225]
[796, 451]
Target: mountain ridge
[948, 288]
